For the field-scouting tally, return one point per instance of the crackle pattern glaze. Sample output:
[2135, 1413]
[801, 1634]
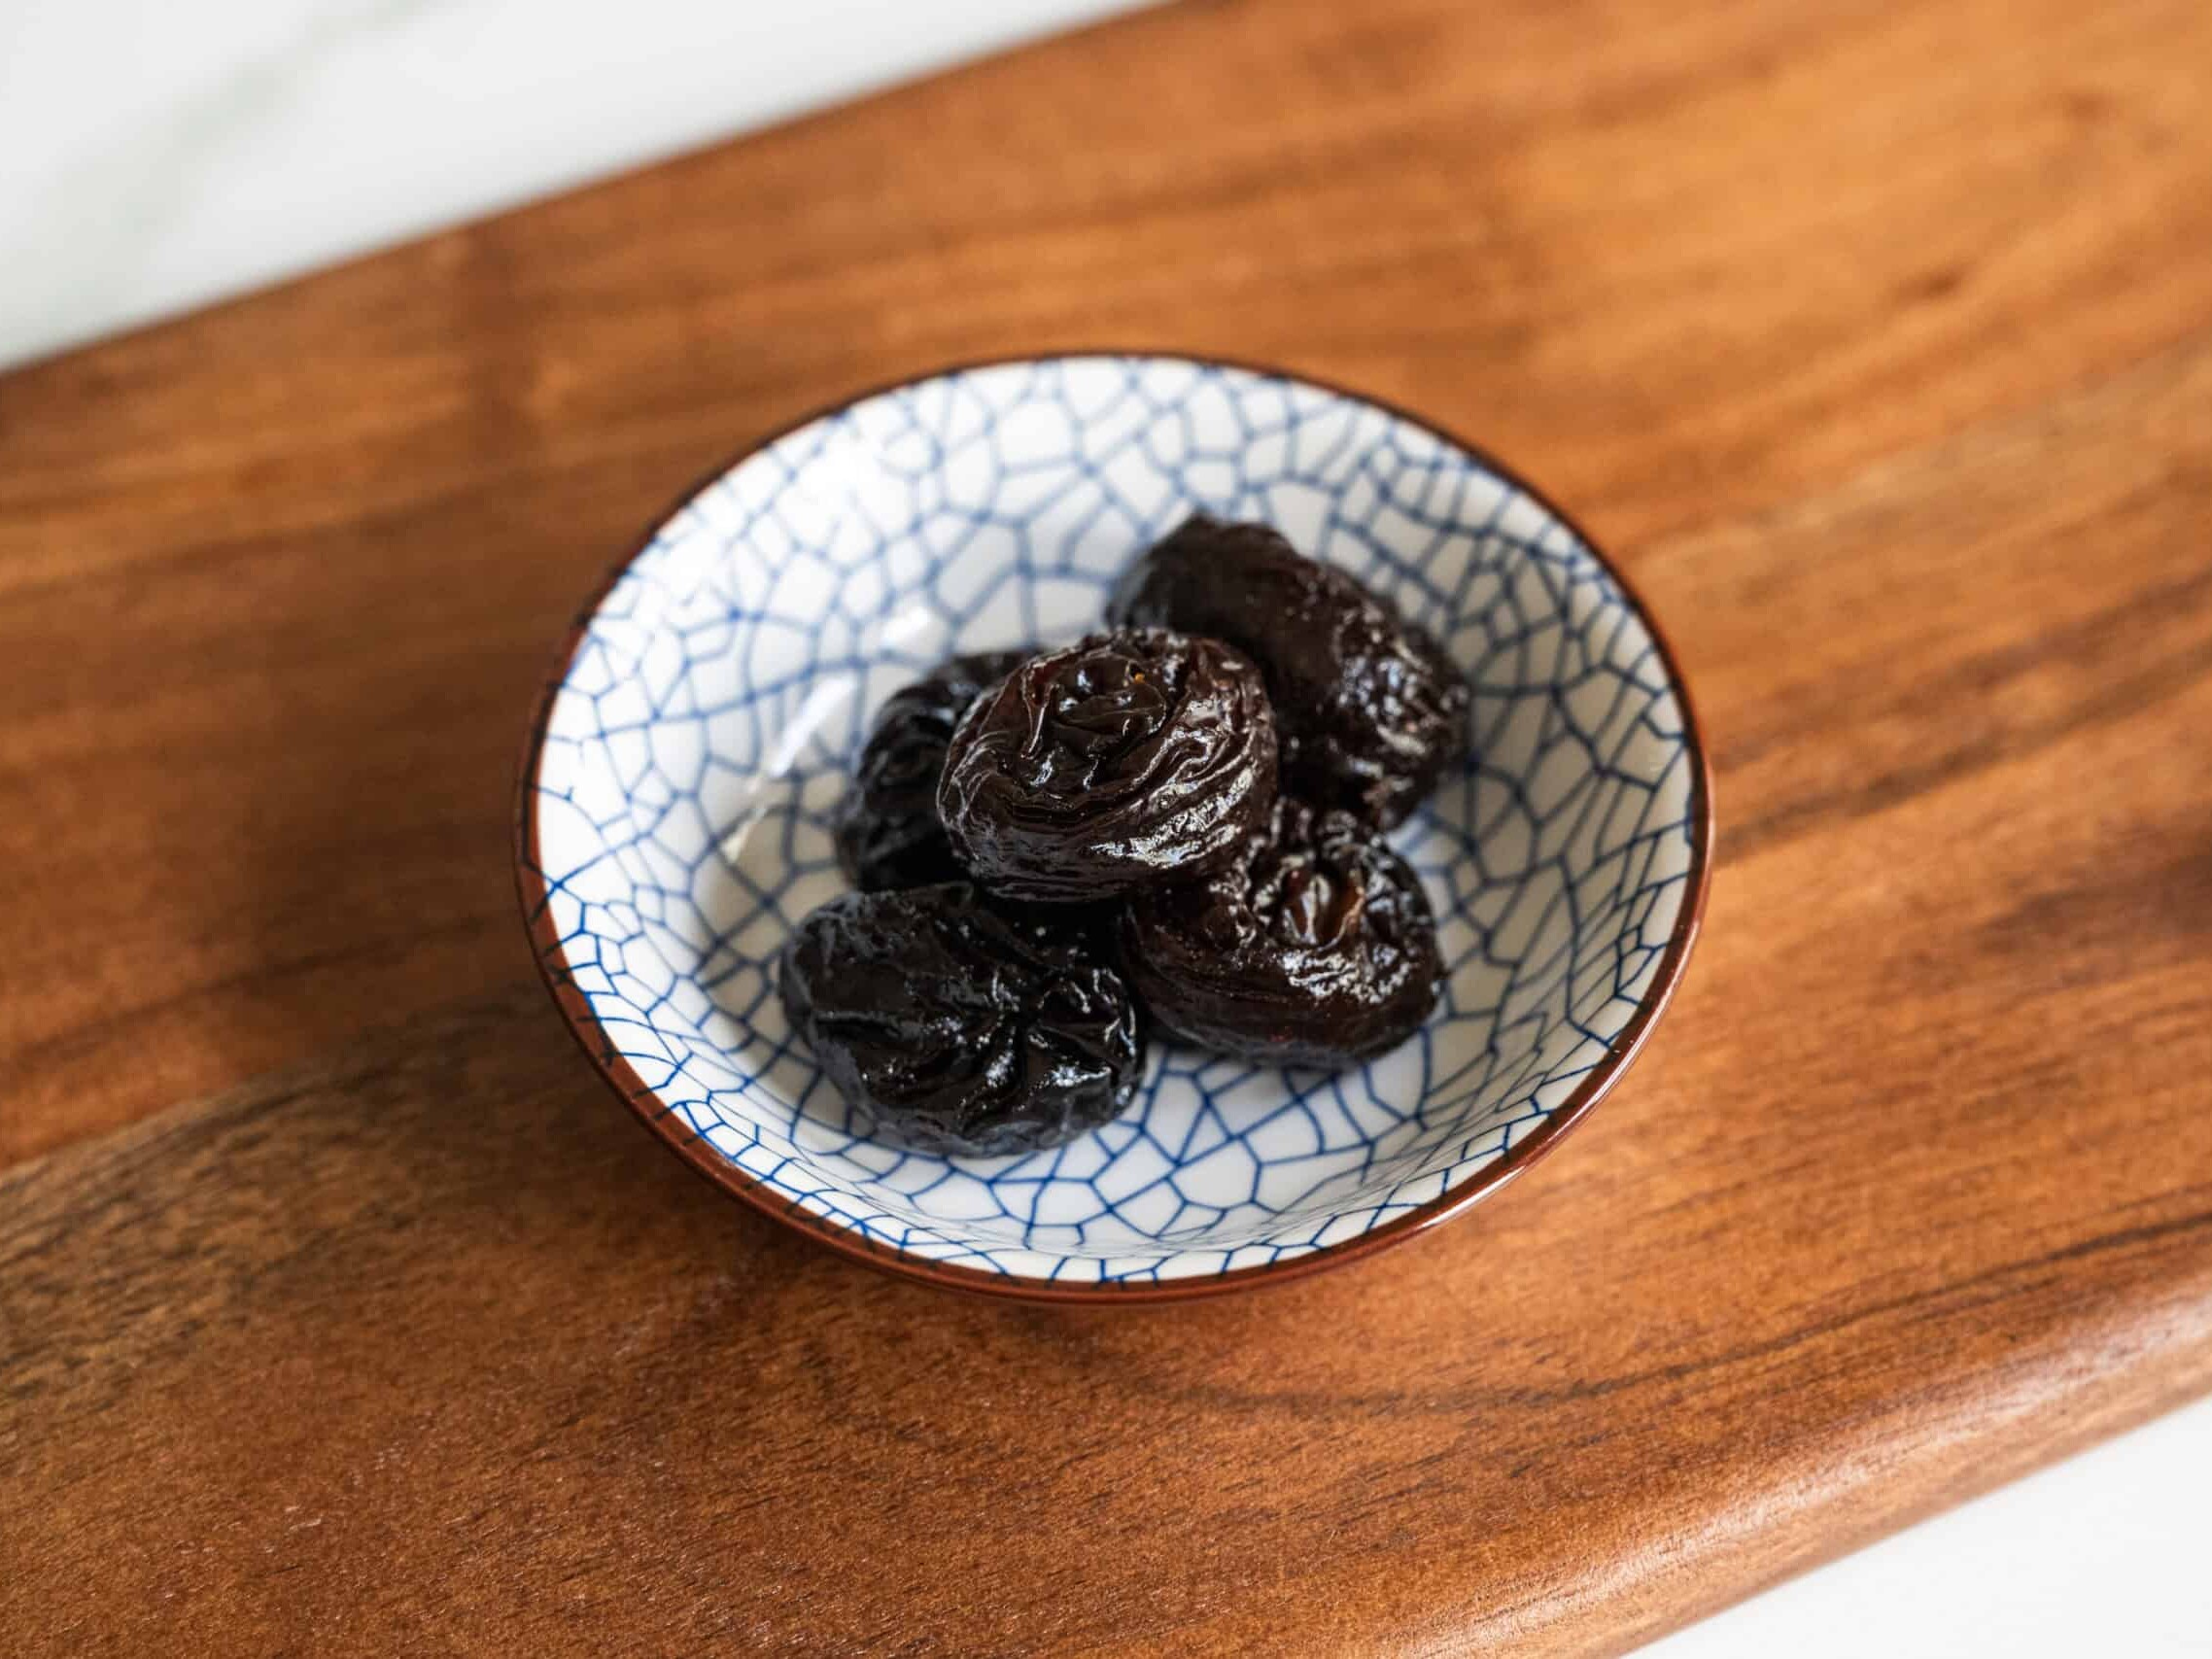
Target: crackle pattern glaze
[708, 719]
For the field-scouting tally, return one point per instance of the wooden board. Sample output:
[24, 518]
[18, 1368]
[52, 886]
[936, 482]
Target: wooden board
[338, 1307]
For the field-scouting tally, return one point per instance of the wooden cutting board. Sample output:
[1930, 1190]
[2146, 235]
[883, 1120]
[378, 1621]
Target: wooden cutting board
[340, 1310]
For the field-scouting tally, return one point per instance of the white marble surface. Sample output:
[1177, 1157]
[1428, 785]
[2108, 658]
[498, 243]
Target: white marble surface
[157, 155]
[2105, 1556]
[154, 154]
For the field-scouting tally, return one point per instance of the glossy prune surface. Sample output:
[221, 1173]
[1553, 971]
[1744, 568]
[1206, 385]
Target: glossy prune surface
[888, 834]
[952, 1024]
[1369, 709]
[1124, 759]
[1317, 948]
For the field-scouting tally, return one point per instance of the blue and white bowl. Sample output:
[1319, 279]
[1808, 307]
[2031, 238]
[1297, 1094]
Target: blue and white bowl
[678, 788]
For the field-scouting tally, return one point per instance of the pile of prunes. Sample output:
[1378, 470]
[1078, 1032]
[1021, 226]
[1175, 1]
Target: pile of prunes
[1178, 820]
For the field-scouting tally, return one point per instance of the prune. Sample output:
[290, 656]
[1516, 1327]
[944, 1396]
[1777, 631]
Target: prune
[954, 1025]
[1369, 708]
[888, 834]
[1317, 948]
[1123, 759]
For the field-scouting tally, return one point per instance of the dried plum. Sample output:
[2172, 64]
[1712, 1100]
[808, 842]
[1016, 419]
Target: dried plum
[1317, 948]
[888, 834]
[1124, 759]
[1369, 708]
[955, 1026]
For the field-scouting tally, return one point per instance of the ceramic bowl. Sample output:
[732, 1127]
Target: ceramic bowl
[681, 779]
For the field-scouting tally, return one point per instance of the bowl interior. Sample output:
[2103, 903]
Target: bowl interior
[713, 707]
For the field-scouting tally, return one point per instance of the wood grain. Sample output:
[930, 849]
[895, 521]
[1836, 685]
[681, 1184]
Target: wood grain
[339, 1308]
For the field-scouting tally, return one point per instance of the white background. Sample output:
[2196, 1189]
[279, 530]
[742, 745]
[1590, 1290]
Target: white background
[157, 155]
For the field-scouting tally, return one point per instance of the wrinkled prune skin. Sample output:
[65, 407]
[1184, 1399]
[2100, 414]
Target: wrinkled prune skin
[1125, 759]
[1369, 708]
[888, 834]
[954, 1025]
[1316, 949]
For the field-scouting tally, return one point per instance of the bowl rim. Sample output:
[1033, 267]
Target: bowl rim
[703, 1157]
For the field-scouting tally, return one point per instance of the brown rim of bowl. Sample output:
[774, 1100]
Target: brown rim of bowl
[695, 1149]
